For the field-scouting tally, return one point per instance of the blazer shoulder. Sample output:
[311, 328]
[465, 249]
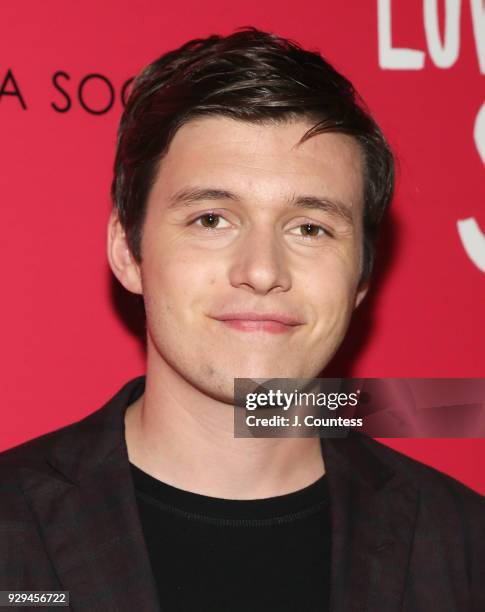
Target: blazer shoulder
[450, 514]
[435, 486]
[32, 452]
[28, 455]
[104, 418]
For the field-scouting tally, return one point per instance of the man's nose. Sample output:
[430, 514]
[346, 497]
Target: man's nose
[260, 262]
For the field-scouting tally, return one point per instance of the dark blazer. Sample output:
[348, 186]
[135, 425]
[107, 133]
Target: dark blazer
[404, 536]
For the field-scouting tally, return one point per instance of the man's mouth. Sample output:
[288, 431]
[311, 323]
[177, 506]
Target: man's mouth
[272, 322]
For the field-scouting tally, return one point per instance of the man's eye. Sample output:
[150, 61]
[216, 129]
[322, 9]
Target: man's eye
[210, 221]
[311, 230]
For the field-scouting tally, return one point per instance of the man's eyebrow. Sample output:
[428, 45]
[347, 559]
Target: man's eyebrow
[191, 195]
[334, 207]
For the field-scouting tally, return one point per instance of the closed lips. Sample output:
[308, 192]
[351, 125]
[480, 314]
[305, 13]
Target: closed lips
[253, 316]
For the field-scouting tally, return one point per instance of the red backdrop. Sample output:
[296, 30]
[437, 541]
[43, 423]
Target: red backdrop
[62, 70]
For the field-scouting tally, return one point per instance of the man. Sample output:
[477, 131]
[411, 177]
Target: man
[249, 186]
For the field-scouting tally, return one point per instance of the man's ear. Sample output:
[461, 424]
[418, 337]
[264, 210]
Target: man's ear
[120, 258]
[361, 293]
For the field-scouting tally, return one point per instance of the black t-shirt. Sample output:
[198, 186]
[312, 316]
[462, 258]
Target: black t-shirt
[220, 555]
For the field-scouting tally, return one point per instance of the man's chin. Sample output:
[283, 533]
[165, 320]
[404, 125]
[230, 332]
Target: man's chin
[261, 372]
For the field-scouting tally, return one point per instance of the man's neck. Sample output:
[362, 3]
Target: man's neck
[185, 438]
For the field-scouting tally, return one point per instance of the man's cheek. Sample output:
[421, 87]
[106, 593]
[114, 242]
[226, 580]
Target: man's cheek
[331, 309]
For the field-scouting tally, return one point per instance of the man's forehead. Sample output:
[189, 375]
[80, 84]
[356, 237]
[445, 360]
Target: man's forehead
[265, 160]
[272, 138]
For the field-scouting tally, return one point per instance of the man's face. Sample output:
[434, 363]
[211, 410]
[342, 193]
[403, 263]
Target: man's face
[243, 222]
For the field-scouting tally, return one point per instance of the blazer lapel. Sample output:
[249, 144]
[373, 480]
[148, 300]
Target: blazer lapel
[86, 508]
[374, 511]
